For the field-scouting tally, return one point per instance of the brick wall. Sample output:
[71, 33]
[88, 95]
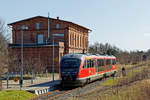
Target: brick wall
[69, 30]
[37, 57]
[73, 36]
[30, 35]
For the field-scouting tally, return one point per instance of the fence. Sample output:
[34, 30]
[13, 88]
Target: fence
[11, 80]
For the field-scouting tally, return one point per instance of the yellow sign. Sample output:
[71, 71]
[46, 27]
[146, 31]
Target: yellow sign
[56, 59]
[16, 79]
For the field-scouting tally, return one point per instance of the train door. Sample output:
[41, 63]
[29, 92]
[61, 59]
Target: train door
[88, 61]
[85, 70]
[113, 63]
[96, 66]
[108, 64]
[101, 65]
[90, 66]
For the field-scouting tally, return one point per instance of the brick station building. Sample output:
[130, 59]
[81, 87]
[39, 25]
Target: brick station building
[38, 35]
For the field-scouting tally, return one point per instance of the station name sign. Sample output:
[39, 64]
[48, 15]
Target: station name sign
[59, 34]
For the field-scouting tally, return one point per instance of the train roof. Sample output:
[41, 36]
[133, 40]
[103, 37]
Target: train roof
[80, 55]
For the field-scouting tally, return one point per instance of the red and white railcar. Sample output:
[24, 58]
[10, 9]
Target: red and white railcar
[79, 69]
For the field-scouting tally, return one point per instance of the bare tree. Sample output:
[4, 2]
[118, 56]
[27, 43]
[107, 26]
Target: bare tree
[3, 51]
[13, 63]
[32, 64]
[123, 57]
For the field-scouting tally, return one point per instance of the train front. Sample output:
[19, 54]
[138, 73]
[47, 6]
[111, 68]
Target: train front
[69, 69]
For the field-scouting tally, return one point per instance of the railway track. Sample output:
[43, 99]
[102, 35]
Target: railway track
[73, 92]
[68, 92]
[52, 95]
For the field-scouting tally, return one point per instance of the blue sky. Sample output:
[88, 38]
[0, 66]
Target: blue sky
[124, 23]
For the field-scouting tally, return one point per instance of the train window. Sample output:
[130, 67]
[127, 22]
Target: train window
[85, 64]
[70, 62]
[108, 61]
[92, 63]
[88, 63]
[113, 62]
[100, 62]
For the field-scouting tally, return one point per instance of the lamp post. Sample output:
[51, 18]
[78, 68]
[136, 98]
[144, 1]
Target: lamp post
[21, 66]
[53, 68]
[53, 60]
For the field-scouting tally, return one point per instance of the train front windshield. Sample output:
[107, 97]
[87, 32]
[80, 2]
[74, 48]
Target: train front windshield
[70, 64]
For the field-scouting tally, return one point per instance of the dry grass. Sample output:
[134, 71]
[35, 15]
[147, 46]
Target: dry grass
[134, 86]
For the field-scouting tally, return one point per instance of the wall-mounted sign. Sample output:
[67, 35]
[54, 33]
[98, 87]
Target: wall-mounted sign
[56, 59]
[59, 34]
[15, 79]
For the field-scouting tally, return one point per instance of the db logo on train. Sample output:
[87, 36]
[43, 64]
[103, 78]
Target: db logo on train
[16, 79]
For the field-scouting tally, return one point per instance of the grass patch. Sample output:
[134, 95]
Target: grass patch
[110, 82]
[136, 91]
[134, 86]
[130, 74]
[123, 93]
[15, 95]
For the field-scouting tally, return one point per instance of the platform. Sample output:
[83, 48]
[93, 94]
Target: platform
[43, 87]
[40, 85]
